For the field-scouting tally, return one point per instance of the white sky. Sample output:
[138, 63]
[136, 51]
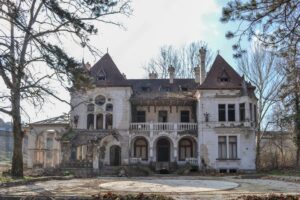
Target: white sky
[153, 23]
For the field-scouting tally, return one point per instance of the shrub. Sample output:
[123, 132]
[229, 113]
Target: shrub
[269, 197]
[141, 196]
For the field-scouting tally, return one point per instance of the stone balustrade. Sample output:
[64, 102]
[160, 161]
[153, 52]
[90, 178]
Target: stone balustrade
[163, 126]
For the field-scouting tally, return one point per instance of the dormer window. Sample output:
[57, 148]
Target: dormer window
[224, 77]
[101, 76]
[146, 89]
[165, 89]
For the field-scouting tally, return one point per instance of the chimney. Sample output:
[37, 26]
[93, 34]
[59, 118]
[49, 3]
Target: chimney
[171, 71]
[197, 74]
[202, 53]
[88, 66]
[152, 75]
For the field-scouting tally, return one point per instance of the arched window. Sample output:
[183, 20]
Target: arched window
[109, 107]
[99, 121]
[100, 100]
[90, 122]
[109, 121]
[185, 149]
[141, 149]
[90, 107]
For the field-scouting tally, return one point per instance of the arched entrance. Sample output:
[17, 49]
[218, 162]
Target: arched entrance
[163, 150]
[115, 155]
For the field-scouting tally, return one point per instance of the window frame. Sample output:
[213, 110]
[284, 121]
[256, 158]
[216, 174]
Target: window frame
[231, 112]
[222, 112]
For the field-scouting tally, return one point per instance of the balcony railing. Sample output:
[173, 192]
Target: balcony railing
[163, 126]
[228, 124]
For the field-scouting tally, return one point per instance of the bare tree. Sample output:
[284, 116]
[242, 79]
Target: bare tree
[259, 66]
[31, 41]
[183, 59]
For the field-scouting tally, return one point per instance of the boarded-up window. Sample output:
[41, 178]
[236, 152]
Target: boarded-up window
[141, 149]
[185, 149]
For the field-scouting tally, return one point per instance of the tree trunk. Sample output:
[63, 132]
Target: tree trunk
[17, 160]
[257, 159]
[297, 126]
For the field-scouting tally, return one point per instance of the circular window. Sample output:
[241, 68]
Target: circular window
[100, 100]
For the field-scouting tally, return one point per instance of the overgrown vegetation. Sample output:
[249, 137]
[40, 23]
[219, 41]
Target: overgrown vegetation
[141, 196]
[269, 197]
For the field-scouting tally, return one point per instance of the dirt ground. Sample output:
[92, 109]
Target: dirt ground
[189, 188]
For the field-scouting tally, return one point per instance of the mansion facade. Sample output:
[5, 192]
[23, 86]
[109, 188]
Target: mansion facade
[207, 122]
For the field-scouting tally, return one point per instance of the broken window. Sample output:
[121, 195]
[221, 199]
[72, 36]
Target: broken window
[162, 116]
[141, 116]
[101, 75]
[232, 147]
[242, 112]
[100, 100]
[185, 149]
[222, 113]
[224, 77]
[90, 122]
[222, 145]
[109, 107]
[185, 116]
[141, 149]
[109, 121]
[90, 107]
[99, 121]
[231, 112]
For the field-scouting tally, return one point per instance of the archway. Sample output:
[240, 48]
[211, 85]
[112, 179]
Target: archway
[163, 149]
[115, 155]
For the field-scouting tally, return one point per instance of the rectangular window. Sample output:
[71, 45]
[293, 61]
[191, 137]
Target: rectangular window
[222, 147]
[255, 114]
[231, 112]
[242, 112]
[232, 147]
[222, 113]
[162, 116]
[185, 116]
[250, 110]
[141, 116]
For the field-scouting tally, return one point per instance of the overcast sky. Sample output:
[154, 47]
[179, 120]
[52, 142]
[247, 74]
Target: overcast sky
[153, 23]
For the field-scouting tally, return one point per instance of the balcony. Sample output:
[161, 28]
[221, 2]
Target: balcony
[163, 126]
[228, 124]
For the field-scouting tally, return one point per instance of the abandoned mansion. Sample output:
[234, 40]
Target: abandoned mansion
[207, 122]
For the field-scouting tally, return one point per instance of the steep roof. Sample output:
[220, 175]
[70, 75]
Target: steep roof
[106, 68]
[222, 76]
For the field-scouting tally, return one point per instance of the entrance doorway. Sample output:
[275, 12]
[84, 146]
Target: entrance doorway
[115, 155]
[163, 150]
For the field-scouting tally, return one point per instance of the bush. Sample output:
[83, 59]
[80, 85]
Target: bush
[141, 196]
[269, 197]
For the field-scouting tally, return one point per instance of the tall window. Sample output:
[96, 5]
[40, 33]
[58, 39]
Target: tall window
[185, 116]
[222, 147]
[141, 116]
[162, 116]
[242, 112]
[141, 149]
[222, 113]
[250, 110]
[99, 121]
[49, 147]
[231, 112]
[232, 147]
[90, 121]
[255, 113]
[185, 149]
[109, 121]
